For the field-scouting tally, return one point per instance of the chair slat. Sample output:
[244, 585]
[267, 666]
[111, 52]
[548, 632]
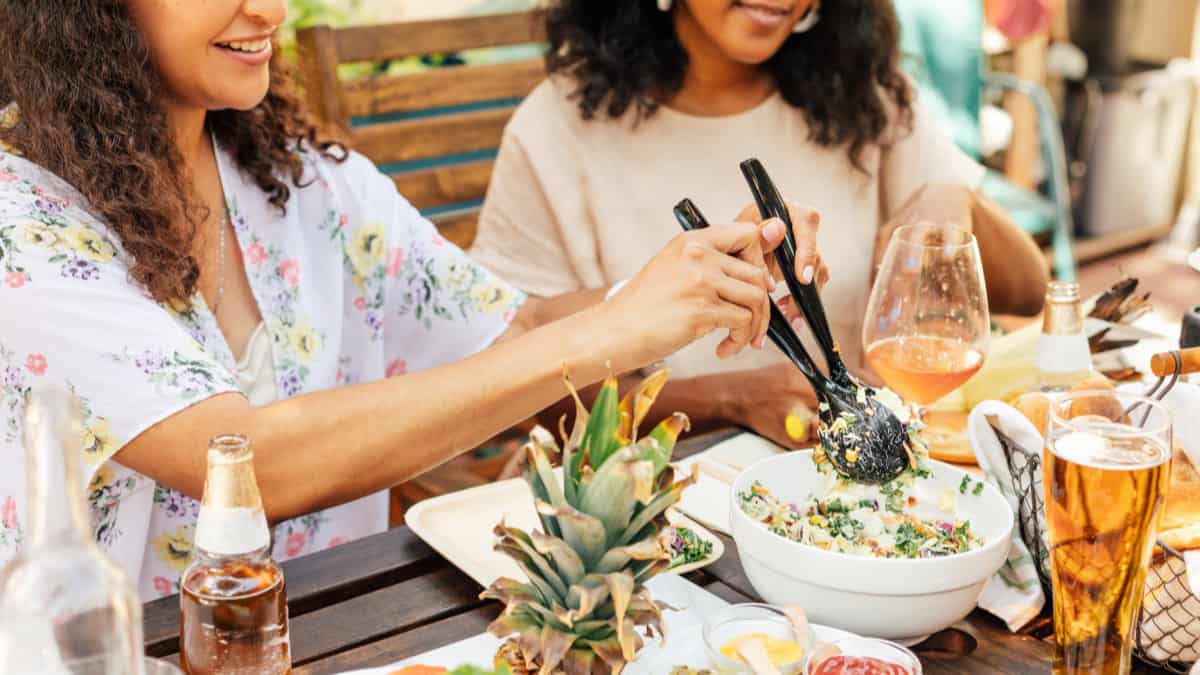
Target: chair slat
[446, 184]
[458, 227]
[411, 140]
[439, 36]
[317, 51]
[442, 87]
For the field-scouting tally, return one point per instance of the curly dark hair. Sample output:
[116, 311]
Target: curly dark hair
[80, 74]
[842, 74]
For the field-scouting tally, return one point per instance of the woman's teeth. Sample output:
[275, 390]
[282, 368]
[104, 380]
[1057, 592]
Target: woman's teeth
[252, 47]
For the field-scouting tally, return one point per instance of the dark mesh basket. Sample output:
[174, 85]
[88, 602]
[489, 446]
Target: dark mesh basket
[1169, 620]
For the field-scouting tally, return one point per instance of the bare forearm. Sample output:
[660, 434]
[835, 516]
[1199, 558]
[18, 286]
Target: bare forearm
[1013, 264]
[539, 311]
[329, 447]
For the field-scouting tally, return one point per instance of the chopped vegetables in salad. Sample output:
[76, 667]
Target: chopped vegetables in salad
[966, 485]
[884, 521]
[862, 526]
[686, 546]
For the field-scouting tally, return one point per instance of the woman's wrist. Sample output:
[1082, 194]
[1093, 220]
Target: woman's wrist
[597, 342]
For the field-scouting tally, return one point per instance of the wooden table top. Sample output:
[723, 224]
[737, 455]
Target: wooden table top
[388, 597]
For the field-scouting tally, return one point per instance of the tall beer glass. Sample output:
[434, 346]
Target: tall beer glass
[1105, 475]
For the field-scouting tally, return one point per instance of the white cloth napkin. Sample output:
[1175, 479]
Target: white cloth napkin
[1014, 594]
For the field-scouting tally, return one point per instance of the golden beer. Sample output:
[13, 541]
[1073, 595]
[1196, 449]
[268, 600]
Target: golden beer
[1105, 483]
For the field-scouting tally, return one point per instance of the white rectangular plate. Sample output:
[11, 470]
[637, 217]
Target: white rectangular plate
[707, 502]
[684, 645]
[460, 526]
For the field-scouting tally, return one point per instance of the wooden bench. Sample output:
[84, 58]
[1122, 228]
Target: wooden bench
[435, 131]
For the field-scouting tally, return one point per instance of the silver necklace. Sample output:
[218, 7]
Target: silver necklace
[221, 269]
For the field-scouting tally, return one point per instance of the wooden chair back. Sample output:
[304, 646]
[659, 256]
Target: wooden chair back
[435, 131]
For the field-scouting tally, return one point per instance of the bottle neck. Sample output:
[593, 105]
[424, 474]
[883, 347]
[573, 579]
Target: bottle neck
[232, 521]
[1063, 314]
[53, 443]
[1062, 319]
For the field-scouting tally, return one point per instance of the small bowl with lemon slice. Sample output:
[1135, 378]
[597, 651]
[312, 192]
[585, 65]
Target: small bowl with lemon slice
[785, 643]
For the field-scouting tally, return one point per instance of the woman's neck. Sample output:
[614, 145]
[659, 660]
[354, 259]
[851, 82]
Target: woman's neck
[715, 85]
[191, 138]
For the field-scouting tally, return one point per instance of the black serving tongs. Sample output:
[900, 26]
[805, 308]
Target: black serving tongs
[863, 439]
[845, 452]
[778, 330]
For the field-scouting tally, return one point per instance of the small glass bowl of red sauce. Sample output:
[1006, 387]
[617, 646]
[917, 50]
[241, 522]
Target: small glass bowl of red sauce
[862, 656]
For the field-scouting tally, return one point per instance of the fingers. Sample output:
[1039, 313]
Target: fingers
[727, 280]
[756, 255]
[792, 313]
[749, 297]
[730, 238]
[749, 268]
[737, 319]
[805, 223]
[772, 232]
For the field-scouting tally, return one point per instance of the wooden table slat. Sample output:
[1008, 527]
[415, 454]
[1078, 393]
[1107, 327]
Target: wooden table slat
[317, 580]
[447, 631]
[391, 610]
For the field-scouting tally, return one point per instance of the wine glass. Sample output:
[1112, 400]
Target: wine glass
[927, 325]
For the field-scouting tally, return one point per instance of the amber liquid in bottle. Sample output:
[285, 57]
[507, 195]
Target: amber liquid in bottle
[233, 603]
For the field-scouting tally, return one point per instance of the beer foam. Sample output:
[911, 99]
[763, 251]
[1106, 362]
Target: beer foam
[1090, 448]
[231, 531]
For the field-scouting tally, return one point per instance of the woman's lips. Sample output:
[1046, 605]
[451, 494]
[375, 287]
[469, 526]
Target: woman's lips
[765, 14]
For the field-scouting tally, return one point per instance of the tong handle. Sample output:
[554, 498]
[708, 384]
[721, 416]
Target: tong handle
[778, 329]
[771, 205]
[1164, 364]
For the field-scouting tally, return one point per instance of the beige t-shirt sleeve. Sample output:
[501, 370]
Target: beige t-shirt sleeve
[519, 236]
[926, 155]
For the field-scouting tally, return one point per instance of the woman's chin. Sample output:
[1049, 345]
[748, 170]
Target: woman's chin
[751, 56]
[753, 51]
[242, 100]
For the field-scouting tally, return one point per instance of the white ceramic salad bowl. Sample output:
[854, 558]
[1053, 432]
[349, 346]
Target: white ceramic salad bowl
[896, 599]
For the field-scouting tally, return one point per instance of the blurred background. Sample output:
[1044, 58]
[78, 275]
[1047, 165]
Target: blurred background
[1119, 78]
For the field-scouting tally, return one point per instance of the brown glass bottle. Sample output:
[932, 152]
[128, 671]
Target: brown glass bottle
[233, 603]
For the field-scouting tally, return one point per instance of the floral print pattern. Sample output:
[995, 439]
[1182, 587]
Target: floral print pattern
[10, 526]
[353, 286]
[45, 224]
[186, 376]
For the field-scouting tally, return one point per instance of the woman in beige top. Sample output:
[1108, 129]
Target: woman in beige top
[649, 102]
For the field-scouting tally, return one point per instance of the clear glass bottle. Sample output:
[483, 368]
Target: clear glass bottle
[233, 601]
[1063, 355]
[67, 604]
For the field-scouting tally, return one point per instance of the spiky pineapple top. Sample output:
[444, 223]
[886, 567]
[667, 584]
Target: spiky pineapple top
[599, 543]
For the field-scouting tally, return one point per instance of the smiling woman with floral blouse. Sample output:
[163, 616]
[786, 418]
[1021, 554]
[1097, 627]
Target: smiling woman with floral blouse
[184, 251]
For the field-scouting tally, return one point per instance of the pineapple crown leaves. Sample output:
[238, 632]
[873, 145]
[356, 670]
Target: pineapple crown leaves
[579, 611]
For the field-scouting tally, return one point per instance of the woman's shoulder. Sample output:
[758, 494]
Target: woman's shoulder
[343, 172]
[46, 228]
[23, 182]
[550, 110]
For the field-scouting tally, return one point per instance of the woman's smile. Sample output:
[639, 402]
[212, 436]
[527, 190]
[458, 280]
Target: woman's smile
[765, 14]
[254, 51]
